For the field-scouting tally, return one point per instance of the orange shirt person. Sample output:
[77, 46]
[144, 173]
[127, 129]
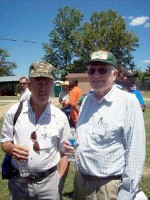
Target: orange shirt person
[75, 94]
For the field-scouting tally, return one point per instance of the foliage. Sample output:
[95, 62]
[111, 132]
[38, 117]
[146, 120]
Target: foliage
[107, 31]
[148, 70]
[60, 49]
[70, 44]
[6, 67]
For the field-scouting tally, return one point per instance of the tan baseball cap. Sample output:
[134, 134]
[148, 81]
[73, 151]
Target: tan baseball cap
[104, 57]
[65, 83]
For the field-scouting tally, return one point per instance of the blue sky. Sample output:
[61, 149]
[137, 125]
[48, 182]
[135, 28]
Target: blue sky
[32, 20]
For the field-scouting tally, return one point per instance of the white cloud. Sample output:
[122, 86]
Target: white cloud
[139, 21]
[147, 25]
[146, 61]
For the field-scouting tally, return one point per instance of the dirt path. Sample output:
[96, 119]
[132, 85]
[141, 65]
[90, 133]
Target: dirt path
[146, 171]
[4, 108]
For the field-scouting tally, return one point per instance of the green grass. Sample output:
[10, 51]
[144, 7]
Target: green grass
[145, 182]
[146, 94]
[68, 188]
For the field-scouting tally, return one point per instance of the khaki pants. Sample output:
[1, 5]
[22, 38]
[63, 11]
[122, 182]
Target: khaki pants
[98, 189]
[23, 189]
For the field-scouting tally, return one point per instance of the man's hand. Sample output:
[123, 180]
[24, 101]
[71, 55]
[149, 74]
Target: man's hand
[20, 152]
[68, 147]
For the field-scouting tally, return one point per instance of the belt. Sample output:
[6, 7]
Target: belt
[41, 175]
[94, 178]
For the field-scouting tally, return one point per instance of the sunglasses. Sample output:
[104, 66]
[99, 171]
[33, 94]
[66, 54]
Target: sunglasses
[23, 83]
[36, 146]
[100, 70]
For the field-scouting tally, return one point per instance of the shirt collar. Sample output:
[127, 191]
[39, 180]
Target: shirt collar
[108, 97]
[27, 107]
[119, 86]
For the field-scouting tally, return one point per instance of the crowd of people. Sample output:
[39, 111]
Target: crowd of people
[109, 125]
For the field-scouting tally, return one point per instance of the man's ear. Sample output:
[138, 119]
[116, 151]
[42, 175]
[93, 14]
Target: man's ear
[115, 73]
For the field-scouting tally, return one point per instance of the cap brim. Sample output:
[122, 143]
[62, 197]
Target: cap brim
[100, 61]
[45, 76]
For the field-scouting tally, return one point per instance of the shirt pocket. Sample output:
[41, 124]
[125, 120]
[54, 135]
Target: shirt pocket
[50, 139]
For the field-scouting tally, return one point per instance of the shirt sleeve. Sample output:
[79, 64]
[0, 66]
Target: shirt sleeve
[81, 99]
[139, 97]
[135, 151]
[7, 128]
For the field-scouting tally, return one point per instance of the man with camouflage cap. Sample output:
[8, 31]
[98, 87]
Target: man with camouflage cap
[41, 69]
[37, 139]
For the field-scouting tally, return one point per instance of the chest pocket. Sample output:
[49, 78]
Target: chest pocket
[50, 136]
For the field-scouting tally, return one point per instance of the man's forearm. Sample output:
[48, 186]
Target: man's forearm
[63, 166]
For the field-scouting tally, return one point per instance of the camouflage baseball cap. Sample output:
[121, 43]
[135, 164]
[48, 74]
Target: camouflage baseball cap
[104, 57]
[41, 69]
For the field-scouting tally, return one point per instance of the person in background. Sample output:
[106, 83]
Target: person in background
[77, 105]
[129, 85]
[25, 92]
[110, 130]
[126, 80]
[121, 77]
[37, 138]
[64, 98]
[75, 94]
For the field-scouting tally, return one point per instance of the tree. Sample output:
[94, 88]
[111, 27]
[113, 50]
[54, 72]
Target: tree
[60, 49]
[148, 70]
[6, 67]
[71, 44]
[106, 31]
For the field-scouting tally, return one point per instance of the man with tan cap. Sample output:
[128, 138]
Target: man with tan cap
[37, 140]
[111, 152]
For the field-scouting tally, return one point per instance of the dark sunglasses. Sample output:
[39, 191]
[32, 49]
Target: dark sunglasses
[100, 70]
[23, 83]
[36, 146]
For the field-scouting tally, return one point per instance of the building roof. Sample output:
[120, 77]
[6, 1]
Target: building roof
[76, 75]
[4, 79]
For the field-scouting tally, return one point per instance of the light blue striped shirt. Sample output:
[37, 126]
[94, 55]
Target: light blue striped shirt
[112, 139]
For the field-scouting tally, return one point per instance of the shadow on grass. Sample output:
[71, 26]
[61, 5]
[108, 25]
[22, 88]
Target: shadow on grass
[68, 195]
